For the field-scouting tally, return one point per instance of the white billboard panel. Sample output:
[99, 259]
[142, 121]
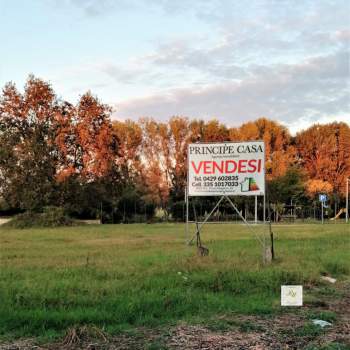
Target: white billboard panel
[227, 168]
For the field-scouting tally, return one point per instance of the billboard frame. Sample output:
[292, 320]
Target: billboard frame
[199, 225]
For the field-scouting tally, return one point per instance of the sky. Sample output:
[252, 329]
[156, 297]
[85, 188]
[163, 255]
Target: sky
[231, 60]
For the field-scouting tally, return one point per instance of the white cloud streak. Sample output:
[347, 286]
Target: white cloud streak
[284, 60]
[312, 89]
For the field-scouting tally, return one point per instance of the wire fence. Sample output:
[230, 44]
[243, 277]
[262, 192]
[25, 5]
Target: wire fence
[280, 214]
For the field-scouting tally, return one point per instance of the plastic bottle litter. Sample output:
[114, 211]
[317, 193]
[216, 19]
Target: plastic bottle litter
[328, 279]
[321, 323]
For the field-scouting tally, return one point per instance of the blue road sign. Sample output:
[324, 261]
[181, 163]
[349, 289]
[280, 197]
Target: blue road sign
[322, 198]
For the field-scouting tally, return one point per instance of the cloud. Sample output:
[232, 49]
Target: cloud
[211, 59]
[310, 90]
[122, 73]
[284, 60]
[96, 8]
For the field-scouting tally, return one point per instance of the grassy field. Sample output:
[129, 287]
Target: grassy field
[118, 277]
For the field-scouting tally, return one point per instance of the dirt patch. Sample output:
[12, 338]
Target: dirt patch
[4, 220]
[340, 330]
[292, 330]
[260, 333]
[248, 333]
[186, 337]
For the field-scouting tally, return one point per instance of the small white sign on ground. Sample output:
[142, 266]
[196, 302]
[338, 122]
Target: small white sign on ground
[292, 295]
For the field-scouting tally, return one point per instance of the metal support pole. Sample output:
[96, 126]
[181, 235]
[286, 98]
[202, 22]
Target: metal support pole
[199, 244]
[322, 212]
[272, 248]
[256, 210]
[245, 221]
[206, 219]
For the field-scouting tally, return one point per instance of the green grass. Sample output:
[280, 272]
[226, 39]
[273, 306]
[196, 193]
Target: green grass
[122, 276]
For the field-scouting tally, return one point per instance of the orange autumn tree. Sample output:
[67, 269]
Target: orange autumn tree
[180, 135]
[52, 151]
[155, 170]
[29, 152]
[165, 152]
[127, 156]
[214, 131]
[93, 132]
[279, 152]
[324, 153]
[86, 175]
[66, 141]
[210, 131]
[44, 141]
[316, 186]
[85, 139]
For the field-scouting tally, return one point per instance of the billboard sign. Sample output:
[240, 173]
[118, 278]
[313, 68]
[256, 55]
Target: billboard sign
[227, 168]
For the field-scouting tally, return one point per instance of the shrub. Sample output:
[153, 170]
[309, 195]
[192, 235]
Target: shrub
[50, 217]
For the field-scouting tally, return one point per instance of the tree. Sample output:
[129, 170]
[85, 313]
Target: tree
[155, 154]
[315, 186]
[213, 131]
[164, 152]
[323, 151]
[56, 153]
[93, 133]
[45, 142]
[29, 154]
[127, 156]
[87, 175]
[180, 137]
[286, 188]
[279, 151]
